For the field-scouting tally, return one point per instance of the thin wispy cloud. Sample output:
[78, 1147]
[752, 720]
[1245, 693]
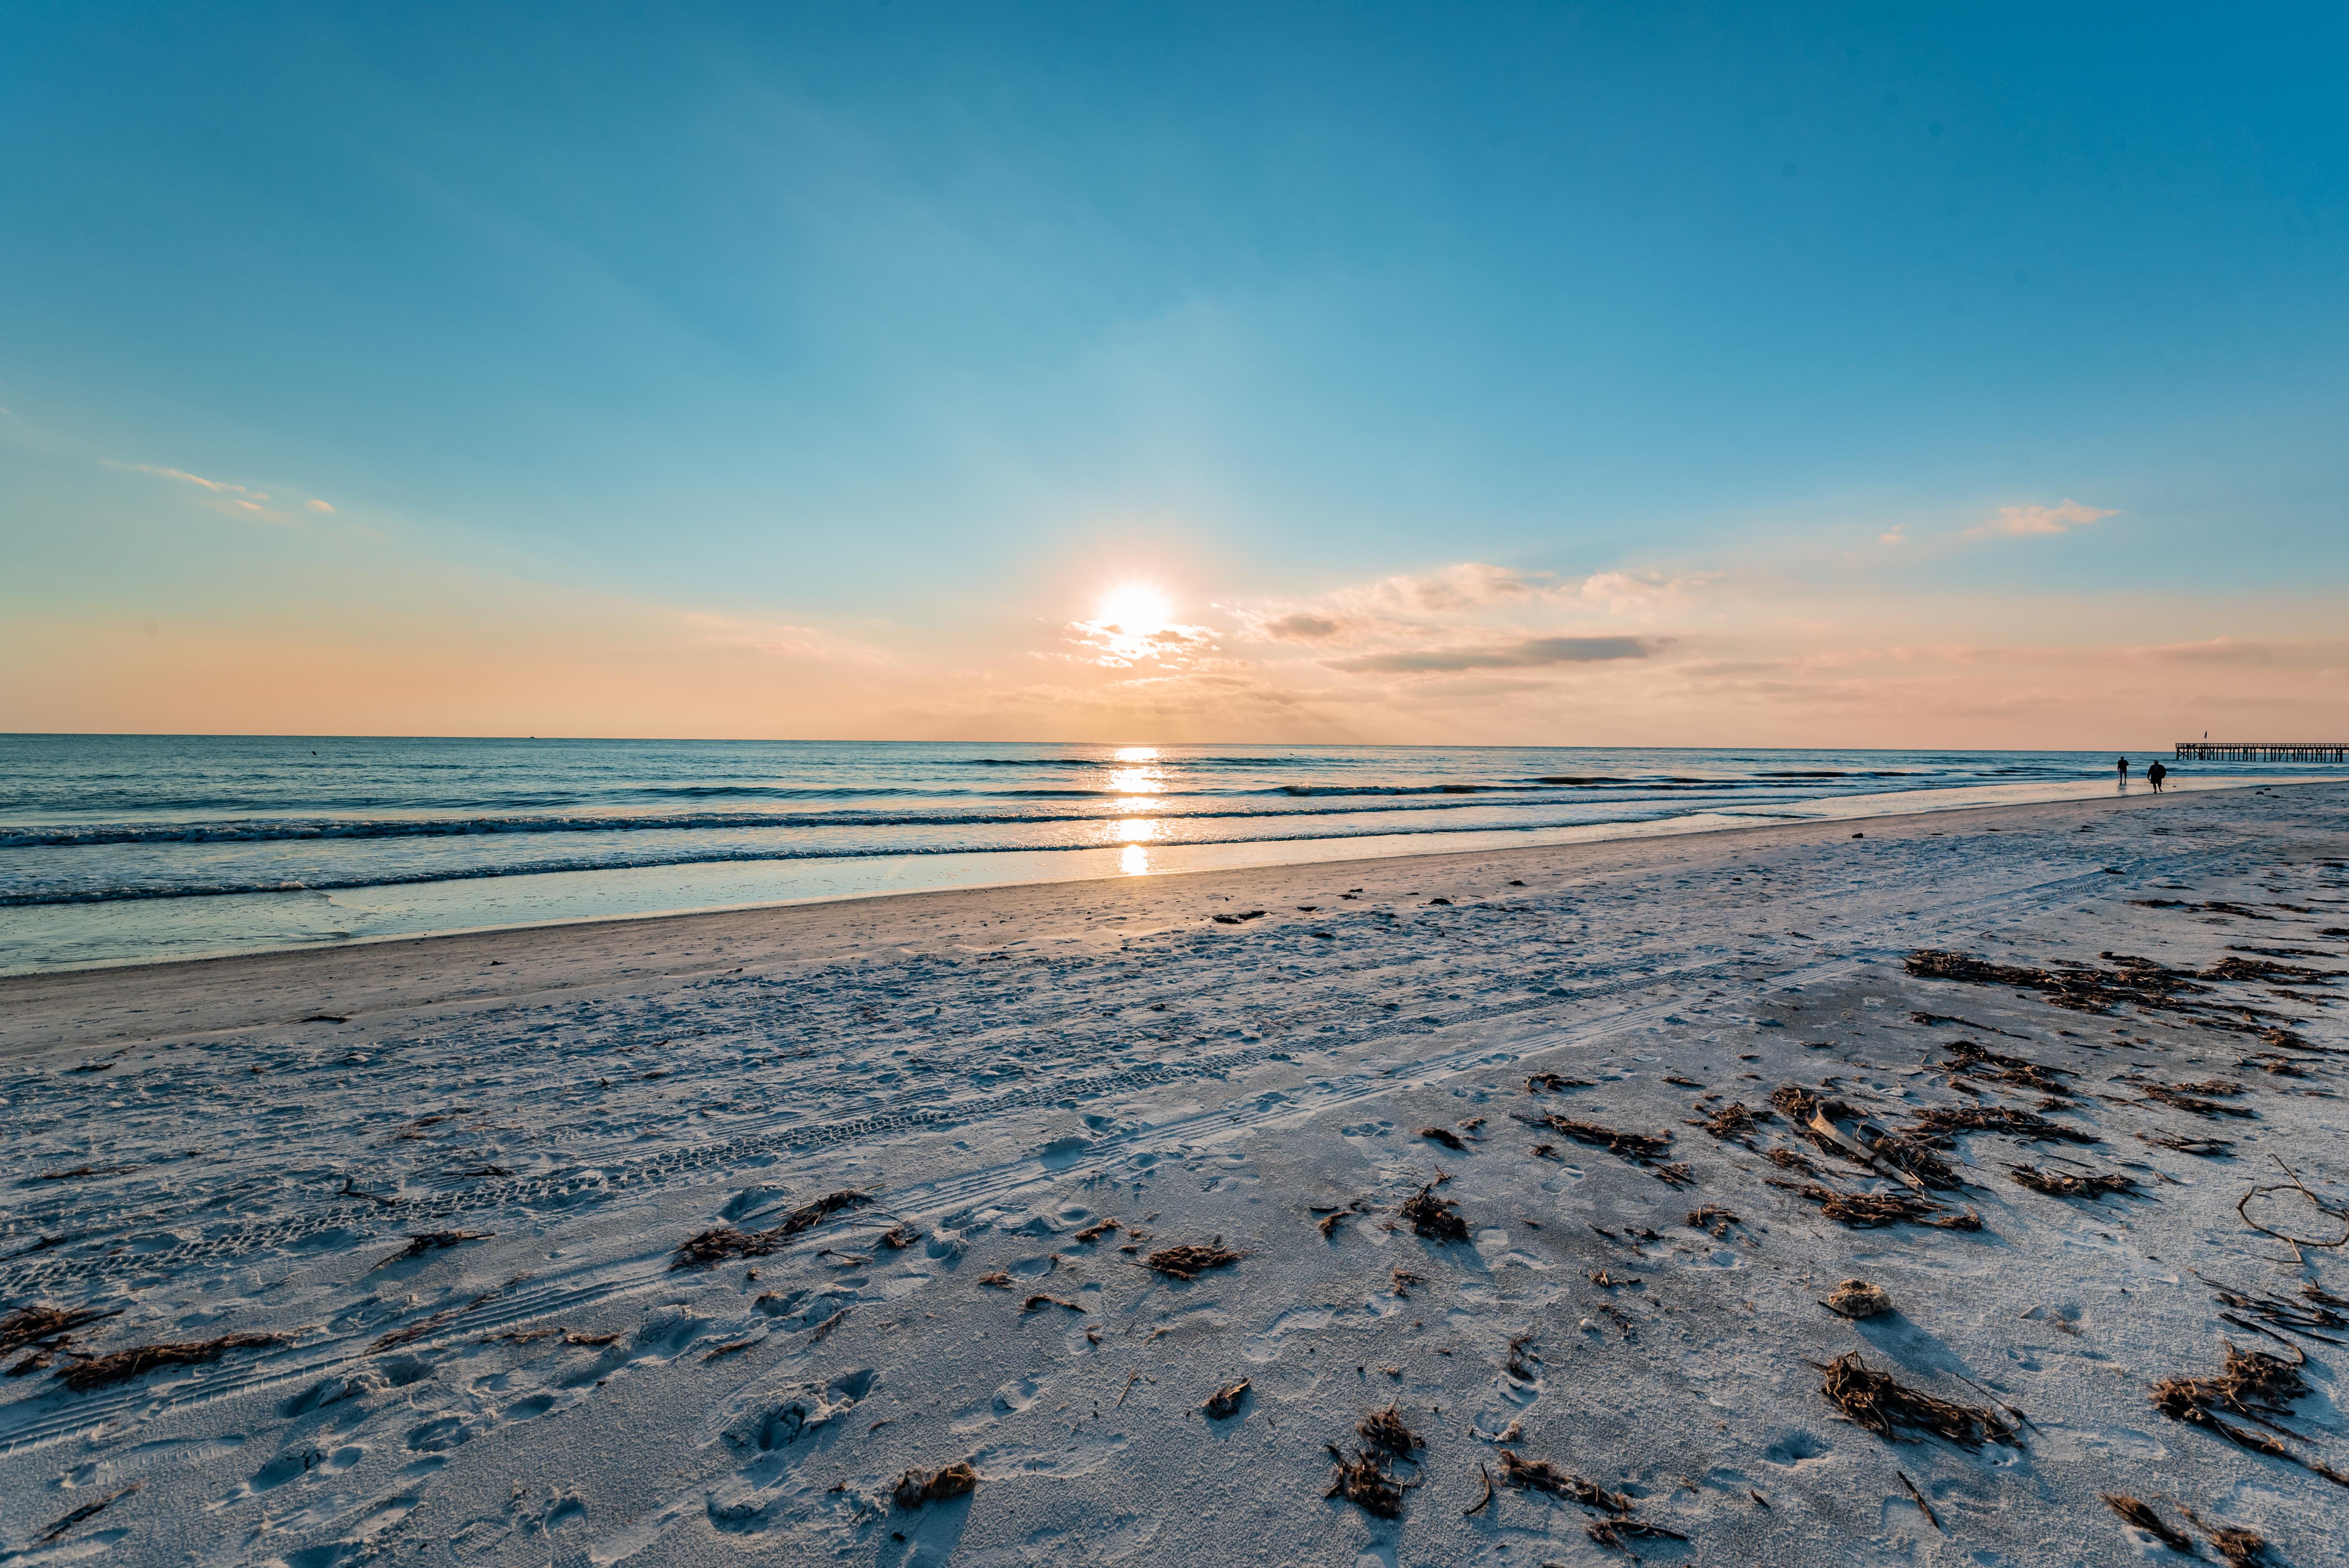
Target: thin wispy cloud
[1533, 653]
[232, 497]
[2061, 518]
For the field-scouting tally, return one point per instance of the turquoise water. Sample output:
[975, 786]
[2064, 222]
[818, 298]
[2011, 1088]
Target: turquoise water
[115, 848]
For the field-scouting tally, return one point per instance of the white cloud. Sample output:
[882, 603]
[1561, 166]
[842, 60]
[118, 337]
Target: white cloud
[234, 497]
[314, 504]
[2061, 518]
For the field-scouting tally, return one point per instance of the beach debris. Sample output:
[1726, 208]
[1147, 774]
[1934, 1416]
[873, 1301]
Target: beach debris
[724, 1243]
[1732, 1120]
[735, 1348]
[432, 1240]
[1540, 1475]
[2131, 980]
[85, 1512]
[1386, 1431]
[1922, 1506]
[914, 1489]
[123, 1366]
[1190, 1259]
[1551, 1083]
[1713, 1219]
[2285, 1313]
[2062, 1184]
[2201, 1148]
[1906, 1158]
[1938, 1125]
[1239, 919]
[1644, 1150]
[2251, 1385]
[78, 1171]
[1856, 1298]
[1438, 1219]
[2241, 1548]
[2142, 1515]
[2176, 1096]
[37, 1326]
[1444, 1135]
[1364, 1482]
[1401, 1280]
[1483, 1502]
[1039, 1303]
[1885, 1406]
[1619, 1527]
[1978, 1061]
[1789, 1160]
[1097, 1230]
[2265, 969]
[1225, 1402]
[2340, 1215]
[1516, 1365]
[1870, 1210]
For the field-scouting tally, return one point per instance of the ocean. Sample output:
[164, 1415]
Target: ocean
[121, 849]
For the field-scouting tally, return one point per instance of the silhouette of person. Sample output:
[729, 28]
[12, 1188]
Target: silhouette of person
[2123, 767]
[2154, 775]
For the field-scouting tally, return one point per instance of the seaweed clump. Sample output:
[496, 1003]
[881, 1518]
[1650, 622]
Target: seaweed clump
[717, 1245]
[1438, 1219]
[1887, 1406]
[913, 1488]
[124, 1365]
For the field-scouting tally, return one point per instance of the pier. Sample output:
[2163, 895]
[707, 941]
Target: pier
[2263, 751]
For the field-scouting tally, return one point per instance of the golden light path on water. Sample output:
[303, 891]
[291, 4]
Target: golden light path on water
[1135, 777]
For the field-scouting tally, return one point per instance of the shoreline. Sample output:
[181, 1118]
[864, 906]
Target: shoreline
[667, 942]
[1078, 865]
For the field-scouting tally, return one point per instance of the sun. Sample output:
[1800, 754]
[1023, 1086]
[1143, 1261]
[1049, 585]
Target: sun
[1136, 609]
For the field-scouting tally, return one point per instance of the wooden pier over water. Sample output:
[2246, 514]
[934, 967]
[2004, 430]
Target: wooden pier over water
[2263, 751]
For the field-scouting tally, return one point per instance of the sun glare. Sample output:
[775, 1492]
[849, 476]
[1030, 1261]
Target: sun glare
[1136, 609]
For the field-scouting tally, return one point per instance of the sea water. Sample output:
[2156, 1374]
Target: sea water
[118, 849]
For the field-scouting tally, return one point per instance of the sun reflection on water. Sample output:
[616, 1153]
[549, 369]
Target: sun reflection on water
[1134, 861]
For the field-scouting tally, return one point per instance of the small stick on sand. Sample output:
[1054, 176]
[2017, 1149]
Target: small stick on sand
[1923, 1507]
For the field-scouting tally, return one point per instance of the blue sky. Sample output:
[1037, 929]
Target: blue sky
[881, 341]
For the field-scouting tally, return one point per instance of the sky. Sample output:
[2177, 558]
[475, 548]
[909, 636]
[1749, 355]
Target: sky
[1636, 373]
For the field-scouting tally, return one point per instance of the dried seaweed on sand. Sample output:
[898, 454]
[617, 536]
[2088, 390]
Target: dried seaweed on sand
[1885, 1406]
[1551, 1083]
[124, 1365]
[2313, 1312]
[432, 1241]
[1856, 1298]
[1618, 1529]
[1870, 1211]
[1364, 1482]
[1540, 1475]
[1436, 1218]
[724, 1243]
[1906, 1158]
[1191, 1258]
[2143, 1516]
[1225, 1402]
[33, 1325]
[1711, 1218]
[1385, 1431]
[1444, 1135]
[913, 1488]
[2200, 1148]
[2251, 1385]
[2062, 1184]
[2131, 981]
[1645, 1149]
[2175, 1097]
[1939, 1125]
[2241, 1548]
[1735, 1120]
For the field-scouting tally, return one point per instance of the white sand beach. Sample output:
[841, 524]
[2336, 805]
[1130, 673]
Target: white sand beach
[437, 1189]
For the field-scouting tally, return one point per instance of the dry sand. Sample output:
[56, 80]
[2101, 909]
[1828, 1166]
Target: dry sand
[247, 1147]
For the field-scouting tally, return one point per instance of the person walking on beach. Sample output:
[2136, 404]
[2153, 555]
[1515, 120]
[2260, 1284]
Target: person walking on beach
[2122, 766]
[2154, 775]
